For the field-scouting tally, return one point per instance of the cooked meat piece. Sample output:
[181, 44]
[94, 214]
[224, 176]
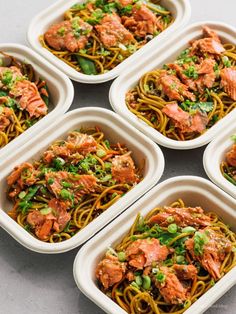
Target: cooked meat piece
[228, 81]
[143, 252]
[68, 35]
[183, 217]
[123, 169]
[110, 271]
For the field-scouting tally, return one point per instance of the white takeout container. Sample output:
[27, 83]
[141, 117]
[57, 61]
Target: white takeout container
[213, 156]
[195, 191]
[61, 93]
[168, 54]
[180, 9]
[116, 130]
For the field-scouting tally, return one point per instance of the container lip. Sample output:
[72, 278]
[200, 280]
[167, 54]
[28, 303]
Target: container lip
[213, 156]
[182, 7]
[119, 106]
[82, 269]
[59, 108]
[152, 152]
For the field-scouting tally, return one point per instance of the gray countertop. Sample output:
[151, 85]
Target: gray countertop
[35, 283]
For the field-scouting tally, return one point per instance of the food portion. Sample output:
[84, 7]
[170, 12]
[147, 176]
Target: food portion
[228, 165]
[184, 99]
[74, 181]
[97, 35]
[23, 98]
[168, 260]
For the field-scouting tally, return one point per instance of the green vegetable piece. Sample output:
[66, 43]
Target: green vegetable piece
[101, 153]
[61, 31]
[87, 66]
[233, 137]
[58, 163]
[172, 228]
[46, 210]
[106, 178]
[200, 239]
[65, 194]
[146, 282]
[121, 256]
[205, 106]
[22, 194]
[107, 143]
[170, 219]
[191, 72]
[107, 165]
[50, 181]
[133, 283]
[138, 280]
[226, 61]
[160, 277]
[31, 193]
[7, 77]
[231, 180]
[66, 184]
[180, 259]
[188, 229]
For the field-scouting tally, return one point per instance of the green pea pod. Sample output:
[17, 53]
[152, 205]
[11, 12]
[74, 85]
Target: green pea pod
[87, 66]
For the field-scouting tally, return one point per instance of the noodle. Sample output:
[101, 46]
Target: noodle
[133, 296]
[148, 98]
[105, 58]
[228, 166]
[17, 119]
[41, 181]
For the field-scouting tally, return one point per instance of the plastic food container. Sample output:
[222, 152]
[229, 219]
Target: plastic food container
[213, 156]
[60, 88]
[193, 191]
[115, 129]
[180, 9]
[167, 54]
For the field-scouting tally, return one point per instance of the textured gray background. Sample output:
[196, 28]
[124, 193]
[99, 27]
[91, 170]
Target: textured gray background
[34, 283]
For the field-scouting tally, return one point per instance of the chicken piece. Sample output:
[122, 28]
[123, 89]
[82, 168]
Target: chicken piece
[173, 88]
[228, 81]
[231, 156]
[29, 99]
[171, 288]
[123, 169]
[213, 250]
[112, 33]
[183, 217]
[68, 35]
[143, 252]
[110, 271]
[185, 122]
[5, 117]
[81, 143]
[185, 272]
[142, 21]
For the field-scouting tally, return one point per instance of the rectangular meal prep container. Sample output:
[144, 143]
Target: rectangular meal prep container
[195, 191]
[180, 9]
[213, 156]
[115, 129]
[61, 93]
[167, 54]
